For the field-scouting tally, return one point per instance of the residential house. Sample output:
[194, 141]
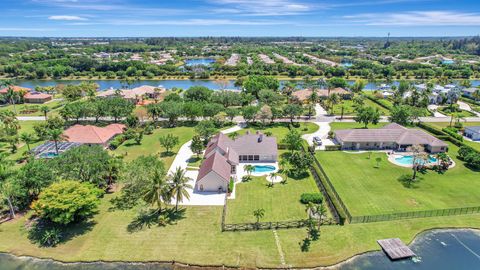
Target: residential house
[472, 133]
[37, 97]
[92, 135]
[392, 136]
[223, 155]
[304, 94]
[135, 95]
[468, 92]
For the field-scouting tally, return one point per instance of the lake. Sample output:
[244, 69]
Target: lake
[439, 250]
[184, 84]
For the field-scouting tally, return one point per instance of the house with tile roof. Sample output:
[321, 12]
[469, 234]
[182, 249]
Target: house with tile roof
[223, 155]
[135, 95]
[37, 97]
[304, 94]
[89, 134]
[392, 136]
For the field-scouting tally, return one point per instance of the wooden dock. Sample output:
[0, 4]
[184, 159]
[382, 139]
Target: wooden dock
[395, 248]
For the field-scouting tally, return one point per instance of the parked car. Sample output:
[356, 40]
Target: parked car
[317, 140]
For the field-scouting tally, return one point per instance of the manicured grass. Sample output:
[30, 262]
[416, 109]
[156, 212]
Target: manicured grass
[197, 239]
[279, 130]
[280, 202]
[460, 113]
[25, 127]
[367, 190]
[348, 125]
[349, 109]
[151, 145]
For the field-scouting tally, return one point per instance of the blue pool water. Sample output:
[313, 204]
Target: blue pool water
[48, 155]
[448, 62]
[263, 168]
[408, 160]
[198, 62]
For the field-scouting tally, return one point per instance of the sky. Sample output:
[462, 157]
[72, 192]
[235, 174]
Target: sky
[320, 18]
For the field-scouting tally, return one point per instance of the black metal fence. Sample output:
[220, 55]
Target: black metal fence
[272, 225]
[416, 214]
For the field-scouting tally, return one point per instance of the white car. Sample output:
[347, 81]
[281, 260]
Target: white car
[317, 140]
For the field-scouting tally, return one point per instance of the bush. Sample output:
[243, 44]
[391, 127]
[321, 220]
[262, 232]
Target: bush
[231, 184]
[453, 132]
[316, 198]
[332, 147]
[470, 156]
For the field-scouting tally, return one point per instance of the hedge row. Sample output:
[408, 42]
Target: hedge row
[380, 102]
[453, 132]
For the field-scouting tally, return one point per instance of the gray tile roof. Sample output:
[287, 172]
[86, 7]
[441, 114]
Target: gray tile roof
[390, 133]
[475, 129]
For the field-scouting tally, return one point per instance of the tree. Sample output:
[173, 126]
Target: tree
[358, 86]
[367, 115]
[158, 191]
[192, 110]
[198, 93]
[292, 111]
[293, 140]
[172, 111]
[378, 160]
[56, 135]
[333, 100]
[27, 138]
[67, 201]
[8, 192]
[265, 114]
[273, 177]
[205, 129]
[258, 214]
[45, 109]
[249, 113]
[197, 145]
[234, 135]
[168, 142]
[231, 113]
[419, 157]
[400, 115]
[179, 185]
[300, 162]
[248, 169]
[253, 84]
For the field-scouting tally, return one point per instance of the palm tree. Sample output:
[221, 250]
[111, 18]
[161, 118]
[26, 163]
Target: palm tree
[258, 214]
[233, 135]
[333, 100]
[418, 155]
[273, 177]
[113, 168]
[27, 138]
[282, 163]
[285, 173]
[476, 94]
[45, 109]
[179, 185]
[158, 192]
[249, 169]
[56, 135]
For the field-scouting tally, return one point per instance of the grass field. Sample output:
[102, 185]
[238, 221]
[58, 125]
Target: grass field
[347, 125]
[151, 145]
[367, 190]
[25, 127]
[34, 109]
[280, 202]
[197, 239]
[348, 108]
[279, 130]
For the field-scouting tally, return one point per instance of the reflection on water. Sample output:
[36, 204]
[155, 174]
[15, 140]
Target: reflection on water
[437, 250]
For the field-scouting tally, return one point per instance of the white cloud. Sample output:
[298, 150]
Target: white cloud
[193, 22]
[417, 18]
[67, 18]
[262, 7]
[6, 29]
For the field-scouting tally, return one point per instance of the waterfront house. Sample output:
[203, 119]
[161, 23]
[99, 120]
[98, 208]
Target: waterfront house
[392, 136]
[92, 135]
[37, 97]
[223, 155]
[135, 95]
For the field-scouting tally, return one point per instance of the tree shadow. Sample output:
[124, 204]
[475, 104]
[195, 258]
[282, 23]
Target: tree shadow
[167, 154]
[41, 229]
[406, 181]
[305, 245]
[193, 159]
[152, 217]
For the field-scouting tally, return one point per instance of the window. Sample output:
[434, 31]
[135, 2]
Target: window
[250, 157]
[256, 157]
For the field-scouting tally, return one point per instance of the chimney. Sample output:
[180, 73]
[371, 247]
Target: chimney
[258, 132]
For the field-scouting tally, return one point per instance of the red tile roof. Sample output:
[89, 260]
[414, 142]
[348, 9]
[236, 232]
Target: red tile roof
[15, 88]
[93, 134]
[37, 95]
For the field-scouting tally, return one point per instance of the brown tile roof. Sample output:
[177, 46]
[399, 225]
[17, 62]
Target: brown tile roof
[93, 134]
[390, 133]
[132, 93]
[37, 95]
[304, 94]
[216, 163]
[15, 88]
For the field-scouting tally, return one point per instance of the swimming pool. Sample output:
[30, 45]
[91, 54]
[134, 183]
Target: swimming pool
[263, 168]
[199, 62]
[408, 160]
[48, 155]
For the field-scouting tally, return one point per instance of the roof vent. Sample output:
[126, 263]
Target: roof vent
[260, 138]
[248, 132]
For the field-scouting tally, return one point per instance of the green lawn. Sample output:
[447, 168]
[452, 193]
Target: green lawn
[25, 127]
[280, 202]
[370, 191]
[197, 239]
[151, 145]
[347, 125]
[460, 113]
[279, 130]
[349, 109]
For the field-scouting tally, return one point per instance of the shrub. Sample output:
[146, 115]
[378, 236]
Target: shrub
[316, 198]
[453, 132]
[231, 184]
[332, 147]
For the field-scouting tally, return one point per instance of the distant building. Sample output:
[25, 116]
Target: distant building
[15, 88]
[472, 133]
[468, 92]
[392, 136]
[305, 94]
[37, 97]
[224, 154]
[135, 95]
[92, 134]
